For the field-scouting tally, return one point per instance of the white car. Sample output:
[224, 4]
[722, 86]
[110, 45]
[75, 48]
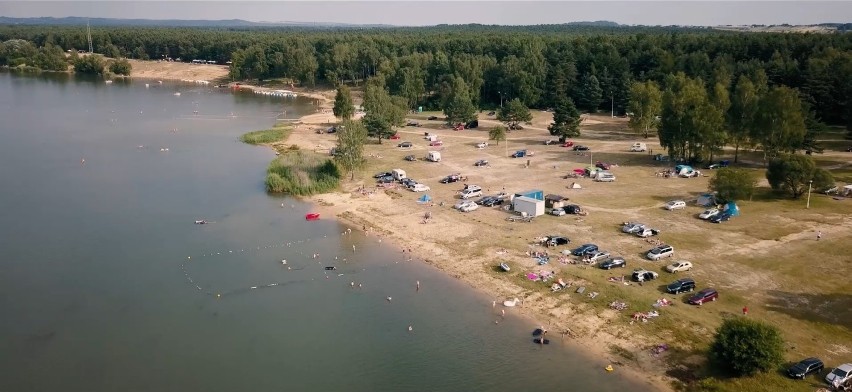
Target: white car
[675, 205]
[557, 212]
[679, 266]
[469, 193]
[597, 256]
[840, 374]
[419, 188]
[469, 207]
[482, 145]
[707, 214]
[659, 252]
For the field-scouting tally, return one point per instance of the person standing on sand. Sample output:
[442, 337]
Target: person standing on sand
[418, 285]
[819, 235]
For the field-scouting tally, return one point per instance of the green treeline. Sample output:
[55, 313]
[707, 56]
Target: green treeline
[594, 66]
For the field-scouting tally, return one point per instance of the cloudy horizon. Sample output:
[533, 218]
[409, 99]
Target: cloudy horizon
[424, 13]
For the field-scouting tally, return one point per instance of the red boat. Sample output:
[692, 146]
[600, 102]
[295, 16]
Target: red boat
[312, 216]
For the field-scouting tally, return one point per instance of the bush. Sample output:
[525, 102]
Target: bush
[120, 67]
[90, 64]
[733, 184]
[746, 346]
[302, 174]
[266, 136]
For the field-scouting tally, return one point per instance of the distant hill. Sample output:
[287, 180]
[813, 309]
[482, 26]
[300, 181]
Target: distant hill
[77, 21]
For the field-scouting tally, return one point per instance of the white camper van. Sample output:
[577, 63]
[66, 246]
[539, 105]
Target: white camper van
[639, 147]
[433, 156]
[398, 174]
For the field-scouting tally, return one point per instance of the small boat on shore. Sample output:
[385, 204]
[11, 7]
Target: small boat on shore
[505, 267]
[511, 303]
[312, 216]
[332, 268]
[201, 222]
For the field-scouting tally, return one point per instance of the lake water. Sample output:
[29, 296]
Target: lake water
[106, 283]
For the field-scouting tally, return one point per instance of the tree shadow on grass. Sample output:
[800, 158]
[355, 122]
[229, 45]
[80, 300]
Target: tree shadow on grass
[824, 308]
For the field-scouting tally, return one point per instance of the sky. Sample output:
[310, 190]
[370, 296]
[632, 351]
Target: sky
[425, 12]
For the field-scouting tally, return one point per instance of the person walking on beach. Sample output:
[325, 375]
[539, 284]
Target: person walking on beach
[353, 248]
[418, 285]
[503, 312]
[819, 235]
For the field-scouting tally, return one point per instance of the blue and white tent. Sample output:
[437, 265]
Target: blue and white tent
[425, 198]
[732, 208]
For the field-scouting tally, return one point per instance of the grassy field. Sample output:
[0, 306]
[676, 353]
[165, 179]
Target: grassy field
[267, 136]
[767, 259]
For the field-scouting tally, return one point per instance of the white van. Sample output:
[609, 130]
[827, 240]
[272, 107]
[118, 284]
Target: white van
[639, 147]
[471, 192]
[398, 174]
[432, 138]
[433, 156]
[605, 176]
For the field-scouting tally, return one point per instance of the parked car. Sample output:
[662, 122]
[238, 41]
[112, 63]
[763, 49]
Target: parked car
[681, 285]
[469, 207]
[405, 145]
[408, 182]
[412, 124]
[572, 209]
[719, 165]
[462, 203]
[638, 147]
[470, 193]
[558, 240]
[613, 263]
[481, 162]
[515, 127]
[485, 200]
[632, 227]
[721, 217]
[603, 165]
[675, 205]
[659, 252]
[643, 275]
[840, 374]
[598, 256]
[568, 144]
[805, 367]
[472, 124]
[708, 213]
[678, 266]
[431, 118]
[703, 296]
[394, 137]
[550, 141]
[581, 148]
[584, 249]
[419, 188]
[450, 178]
[382, 174]
[493, 201]
[436, 143]
[557, 211]
[605, 176]
[410, 158]
[481, 145]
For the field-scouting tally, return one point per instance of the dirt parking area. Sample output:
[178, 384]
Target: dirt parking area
[768, 259]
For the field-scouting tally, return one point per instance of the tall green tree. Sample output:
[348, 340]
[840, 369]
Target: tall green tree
[690, 121]
[566, 120]
[747, 346]
[589, 93]
[646, 102]
[793, 174]
[745, 104]
[779, 122]
[343, 106]
[383, 110]
[457, 105]
[497, 133]
[513, 113]
[350, 146]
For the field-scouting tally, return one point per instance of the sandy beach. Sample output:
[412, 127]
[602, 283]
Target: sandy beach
[444, 242]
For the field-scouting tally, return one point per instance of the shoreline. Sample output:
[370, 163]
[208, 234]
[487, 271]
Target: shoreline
[352, 209]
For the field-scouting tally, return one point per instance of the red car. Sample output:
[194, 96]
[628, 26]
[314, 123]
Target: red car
[394, 137]
[437, 143]
[459, 127]
[703, 296]
[603, 165]
[568, 144]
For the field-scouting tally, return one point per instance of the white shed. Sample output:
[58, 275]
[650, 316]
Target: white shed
[533, 207]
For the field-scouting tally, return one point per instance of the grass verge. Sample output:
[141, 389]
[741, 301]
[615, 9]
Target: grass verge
[267, 136]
